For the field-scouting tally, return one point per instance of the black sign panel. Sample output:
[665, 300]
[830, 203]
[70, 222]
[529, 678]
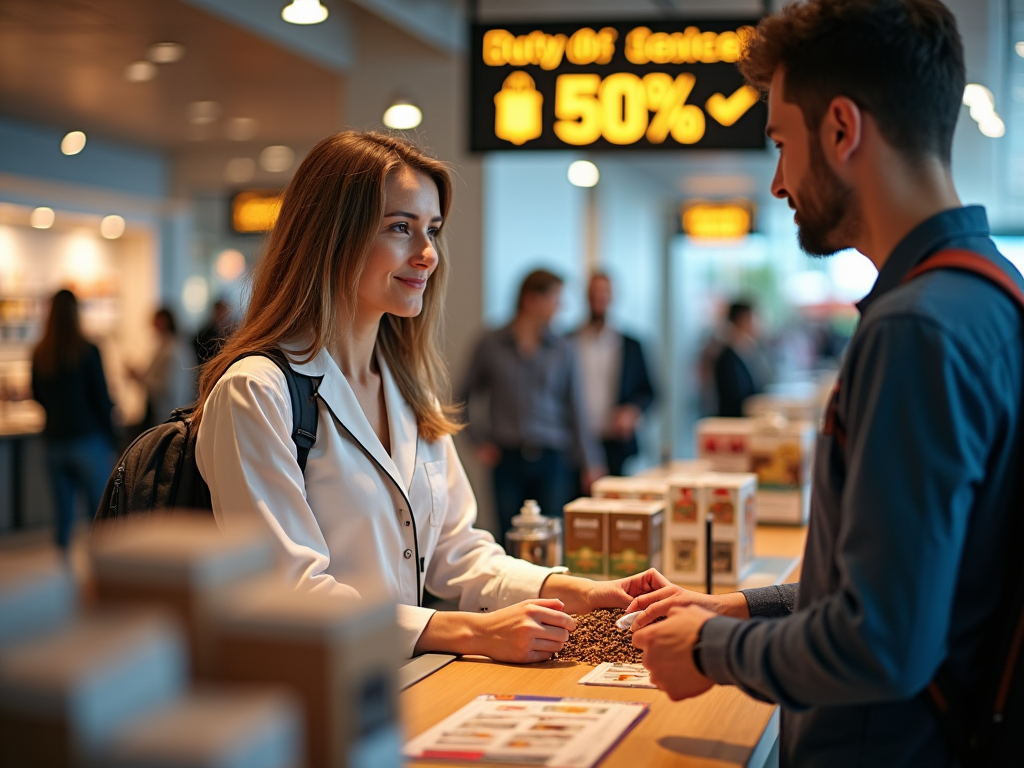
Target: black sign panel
[661, 84]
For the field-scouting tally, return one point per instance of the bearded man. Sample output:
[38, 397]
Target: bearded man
[914, 513]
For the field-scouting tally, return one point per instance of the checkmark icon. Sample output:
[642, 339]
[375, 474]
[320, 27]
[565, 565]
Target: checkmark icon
[728, 110]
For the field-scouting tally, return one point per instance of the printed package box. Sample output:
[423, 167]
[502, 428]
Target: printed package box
[641, 488]
[732, 501]
[609, 538]
[725, 443]
[586, 537]
[675, 467]
[780, 455]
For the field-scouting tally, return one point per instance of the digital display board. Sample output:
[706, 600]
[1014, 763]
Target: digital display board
[661, 84]
[255, 210]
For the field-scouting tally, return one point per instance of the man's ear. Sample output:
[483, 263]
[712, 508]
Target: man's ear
[842, 129]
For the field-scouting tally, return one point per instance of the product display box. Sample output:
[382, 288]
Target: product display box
[65, 694]
[37, 594]
[639, 488]
[338, 655]
[611, 538]
[181, 562]
[676, 467]
[778, 451]
[226, 728]
[731, 500]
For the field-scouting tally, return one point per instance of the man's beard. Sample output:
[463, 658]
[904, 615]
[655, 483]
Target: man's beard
[830, 214]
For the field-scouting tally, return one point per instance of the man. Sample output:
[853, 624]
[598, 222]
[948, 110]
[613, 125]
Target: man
[537, 432]
[616, 387]
[915, 474]
[740, 368]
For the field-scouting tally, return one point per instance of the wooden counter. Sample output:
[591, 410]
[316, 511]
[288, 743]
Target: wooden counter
[719, 728]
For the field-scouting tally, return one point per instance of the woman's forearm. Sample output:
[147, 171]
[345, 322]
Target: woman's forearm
[450, 632]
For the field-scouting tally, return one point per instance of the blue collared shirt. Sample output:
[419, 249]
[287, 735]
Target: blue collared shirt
[914, 489]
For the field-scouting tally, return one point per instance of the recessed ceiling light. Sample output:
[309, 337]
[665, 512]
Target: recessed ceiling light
[42, 218]
[140, 72]
[583, 173]
[304, 12]
[230, 265]
[241, 128]
[277, 158]
[72, 143]
[1019, 48]
[402, 115]
[240, 170]
[112, 226]
[165, 53]
[203, 112]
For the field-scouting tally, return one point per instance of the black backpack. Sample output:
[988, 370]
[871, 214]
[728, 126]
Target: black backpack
[158, 470]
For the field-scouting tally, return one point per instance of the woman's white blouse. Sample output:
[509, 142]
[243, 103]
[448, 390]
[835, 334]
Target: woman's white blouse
[360, 521]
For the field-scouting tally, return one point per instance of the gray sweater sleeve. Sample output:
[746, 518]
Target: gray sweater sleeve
[771, 602]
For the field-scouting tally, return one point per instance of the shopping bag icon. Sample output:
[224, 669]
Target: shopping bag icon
[517, 109]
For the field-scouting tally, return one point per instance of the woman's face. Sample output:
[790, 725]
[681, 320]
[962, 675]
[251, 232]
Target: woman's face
[402, 256]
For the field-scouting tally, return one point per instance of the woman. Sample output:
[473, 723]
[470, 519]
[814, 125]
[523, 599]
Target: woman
[352, 286]
[169, 379]
[68, 381]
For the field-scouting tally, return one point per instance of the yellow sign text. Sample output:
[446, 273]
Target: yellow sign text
[689, 47]
[717, 221]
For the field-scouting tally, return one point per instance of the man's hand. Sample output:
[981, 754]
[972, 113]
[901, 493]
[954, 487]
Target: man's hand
[668, 652]
[488, 454]
[659, 603]
[589, 475]
[624, 421]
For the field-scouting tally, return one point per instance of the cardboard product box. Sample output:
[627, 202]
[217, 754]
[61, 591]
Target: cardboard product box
[781, 453]
[677, 467]
[725, 443]
[685, 511]
[586, 537]
[638, 488]
[339, 656]
[731, 499]
[635, 536]
[37, 594]
[212, 728]
[184, 563]
[65, 694]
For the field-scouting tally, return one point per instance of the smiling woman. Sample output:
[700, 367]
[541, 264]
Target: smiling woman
[351, 288]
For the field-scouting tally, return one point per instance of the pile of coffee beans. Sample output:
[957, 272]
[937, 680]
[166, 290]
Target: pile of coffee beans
[596, 639]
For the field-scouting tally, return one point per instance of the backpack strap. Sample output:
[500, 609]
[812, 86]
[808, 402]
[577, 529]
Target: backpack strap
[303, 391]
[941, 694]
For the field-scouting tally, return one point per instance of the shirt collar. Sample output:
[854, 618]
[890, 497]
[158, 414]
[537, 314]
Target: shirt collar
[922, 241]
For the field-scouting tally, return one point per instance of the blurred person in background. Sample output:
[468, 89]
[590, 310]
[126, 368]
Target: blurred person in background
[537, 437]
[169, 379]
[210, 340]
[741, 369]
[616, 386]
[68, 381]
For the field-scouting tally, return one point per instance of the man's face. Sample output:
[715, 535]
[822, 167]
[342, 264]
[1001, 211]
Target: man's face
[599, 295]
[828, 213]
[543, 306]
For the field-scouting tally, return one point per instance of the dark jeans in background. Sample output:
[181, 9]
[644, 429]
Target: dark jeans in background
[78, 464]
[541, 474]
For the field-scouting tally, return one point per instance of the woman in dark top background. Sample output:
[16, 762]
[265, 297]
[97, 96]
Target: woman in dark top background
[68, 381]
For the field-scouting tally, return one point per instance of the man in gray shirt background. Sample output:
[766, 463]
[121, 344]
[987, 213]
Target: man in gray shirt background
[536, 437]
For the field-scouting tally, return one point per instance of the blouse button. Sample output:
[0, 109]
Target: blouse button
[407, 554]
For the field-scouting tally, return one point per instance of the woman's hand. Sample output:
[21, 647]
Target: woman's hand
[584, 595]
[523, 633]
[657, 604]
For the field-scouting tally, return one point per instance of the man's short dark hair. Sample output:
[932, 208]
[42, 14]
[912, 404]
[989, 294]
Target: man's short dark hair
[540, 281]
[739, 310]
[901, 61]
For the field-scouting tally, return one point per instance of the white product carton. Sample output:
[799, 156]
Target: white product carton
[642, 488]
[780, 454]
[677, 467]
[725, 443]
[731, 499]
[685, 511]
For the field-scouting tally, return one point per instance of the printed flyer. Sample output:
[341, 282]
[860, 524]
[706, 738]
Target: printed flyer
[618, 675]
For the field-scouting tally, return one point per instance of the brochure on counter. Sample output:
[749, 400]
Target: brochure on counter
[532, 730]
[618, 675]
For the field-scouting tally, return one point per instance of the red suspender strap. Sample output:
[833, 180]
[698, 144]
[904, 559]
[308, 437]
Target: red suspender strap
[969, 261]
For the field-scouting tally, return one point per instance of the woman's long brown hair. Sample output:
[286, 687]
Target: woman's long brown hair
[309, 275]
[62, 344]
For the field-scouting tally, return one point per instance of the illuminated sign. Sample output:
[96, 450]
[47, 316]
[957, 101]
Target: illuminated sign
[717, 220]
[653, 84]
[255, 210]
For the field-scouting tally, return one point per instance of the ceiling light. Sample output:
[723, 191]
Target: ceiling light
[277, 158]
[73, 143]
[240, 170]
[195, 294]
[112, 226]
[304, 12]
[230, 265]
[241, 128]
[402, 115]
[1019, 48]
[583, 173]
[165, 53]
[992, 126]
[42, 218]
[203, 112]
[983, 110]
[140, 72]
